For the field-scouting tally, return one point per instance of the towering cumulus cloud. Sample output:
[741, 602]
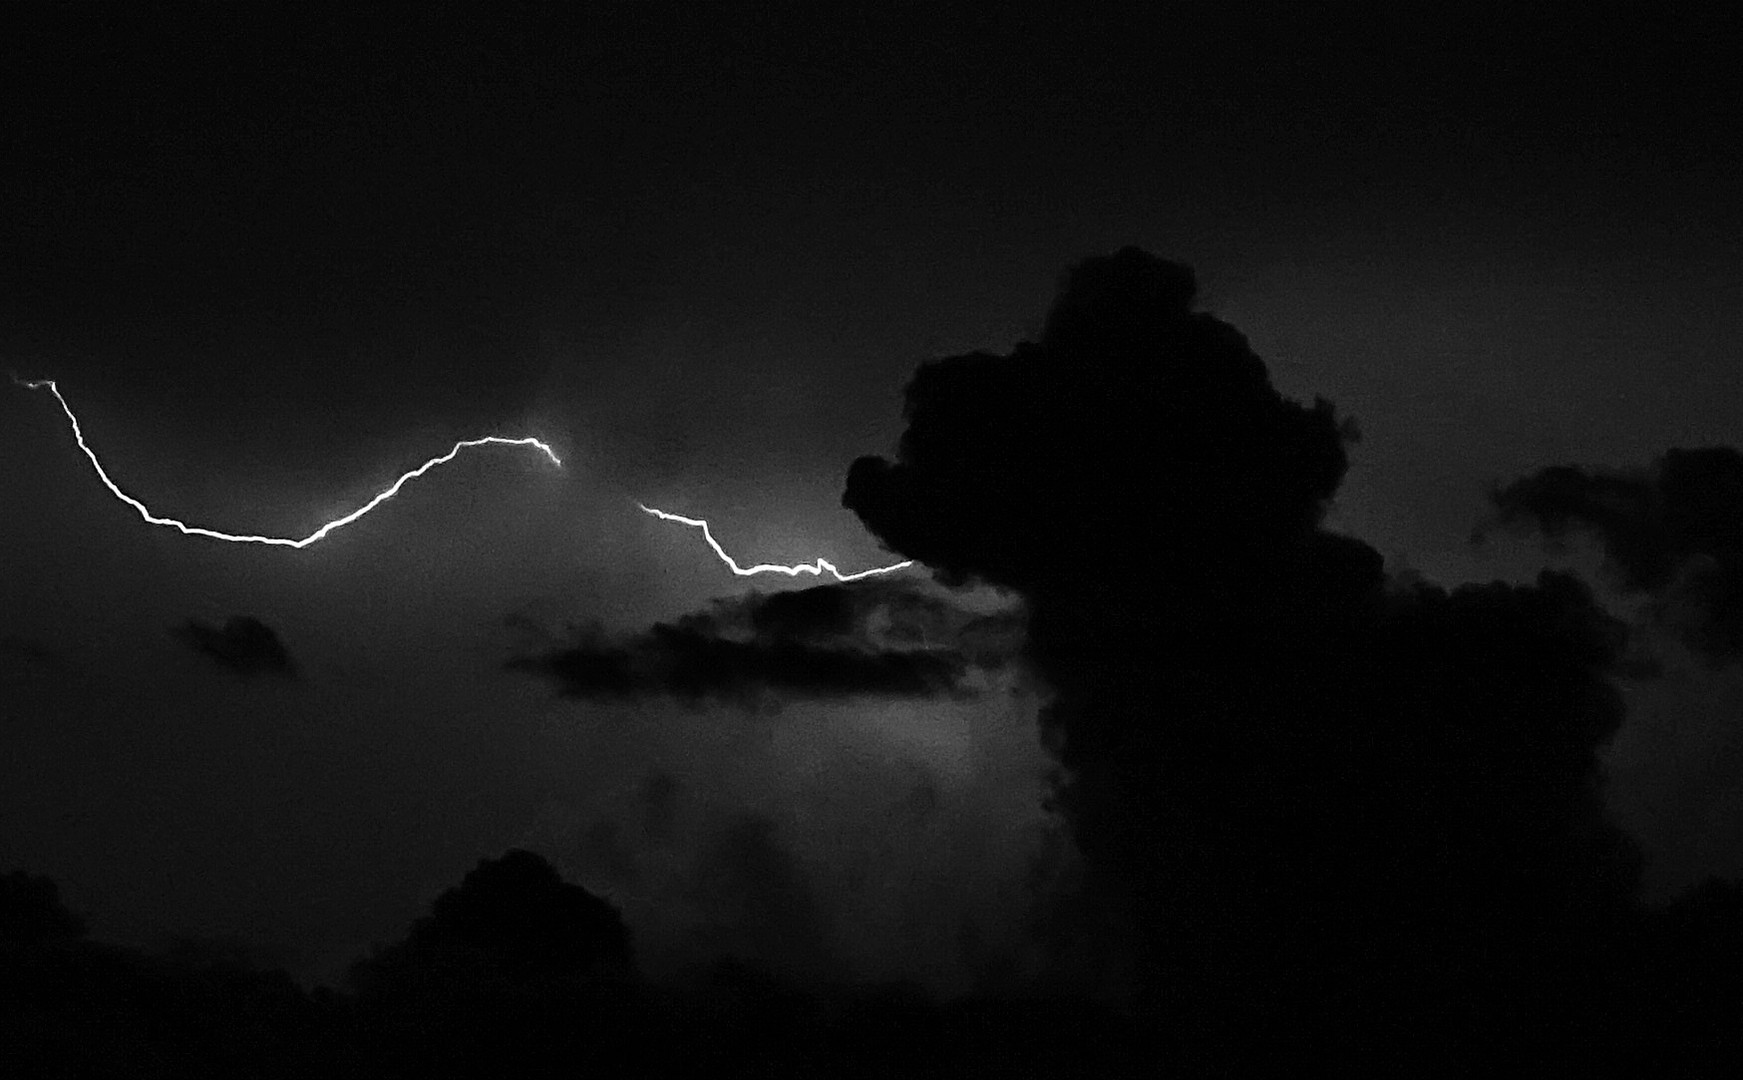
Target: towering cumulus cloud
[1345, 818]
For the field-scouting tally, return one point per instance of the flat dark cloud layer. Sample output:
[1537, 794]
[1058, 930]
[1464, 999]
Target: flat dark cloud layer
[1347, 817]
[244, 645]
[828, 641]
[1673, 530]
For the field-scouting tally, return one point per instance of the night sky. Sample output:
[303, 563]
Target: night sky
[275, 256]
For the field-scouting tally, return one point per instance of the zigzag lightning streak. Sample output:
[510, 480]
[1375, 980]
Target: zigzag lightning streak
[278, 541]
[815, 569]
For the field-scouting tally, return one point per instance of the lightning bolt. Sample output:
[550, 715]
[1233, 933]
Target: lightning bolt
[277, 541]
[815, 569]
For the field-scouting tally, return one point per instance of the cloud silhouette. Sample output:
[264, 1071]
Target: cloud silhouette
[245, 645]
[1345, 817]
[1673, 530]
[828, 641]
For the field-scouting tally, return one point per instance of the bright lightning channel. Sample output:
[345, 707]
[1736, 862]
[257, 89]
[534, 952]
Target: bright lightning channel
[815, 569]
[278, 541]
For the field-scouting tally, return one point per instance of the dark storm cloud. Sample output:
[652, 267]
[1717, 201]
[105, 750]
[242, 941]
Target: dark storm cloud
[1339, 810]
[244, 645]
[825, 641]
[1035, 469]
[1674, 530]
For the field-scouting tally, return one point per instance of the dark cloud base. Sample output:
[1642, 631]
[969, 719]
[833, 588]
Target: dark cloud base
[513, 972]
